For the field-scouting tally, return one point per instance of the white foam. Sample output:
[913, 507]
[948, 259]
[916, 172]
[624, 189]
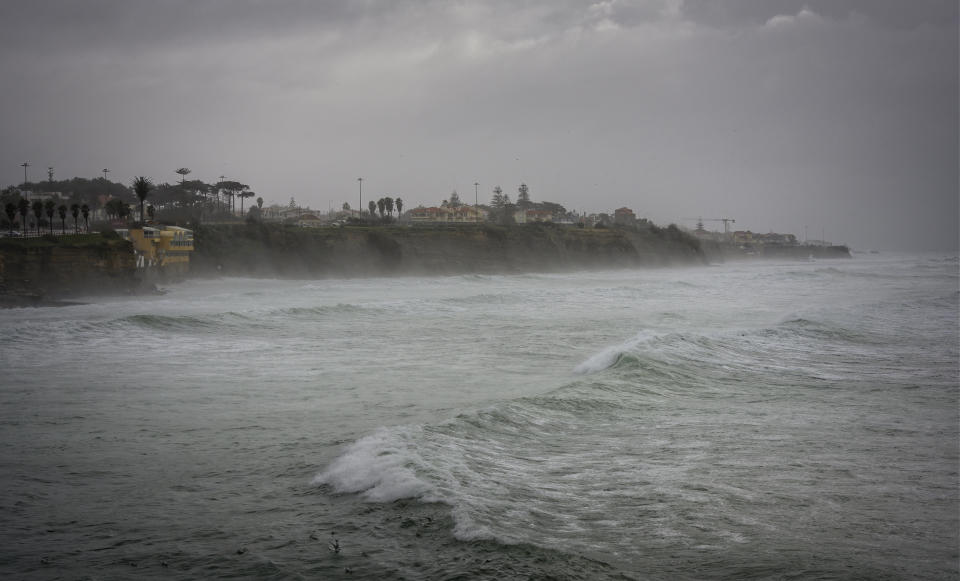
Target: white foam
[380, 466]
[609, 356]
[600, 361]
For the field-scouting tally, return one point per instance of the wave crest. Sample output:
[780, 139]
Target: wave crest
[381, 467]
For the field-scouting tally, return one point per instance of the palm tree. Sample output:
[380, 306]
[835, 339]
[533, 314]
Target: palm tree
[75, 211]
[62, 211]
[260, 202]
[11, 210]
[85, 210]
[388, 202]
[23, 206]
[142, 187]
[399, 203]
[373, 208]
[37, 208]
[49, 208]
[183, 171]
[382, 206]
[151, 211]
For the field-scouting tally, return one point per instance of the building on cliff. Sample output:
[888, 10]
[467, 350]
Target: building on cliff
[166, 247]
[311, 221]
[624, 217]
[447, 214]
[522, 216]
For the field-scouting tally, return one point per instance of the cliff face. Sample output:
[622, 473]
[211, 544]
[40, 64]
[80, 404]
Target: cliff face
[35, 270]
[272, 250]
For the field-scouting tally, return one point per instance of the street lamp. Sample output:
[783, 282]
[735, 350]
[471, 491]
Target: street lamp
[476, 211]
[25, 165]
[360, 209]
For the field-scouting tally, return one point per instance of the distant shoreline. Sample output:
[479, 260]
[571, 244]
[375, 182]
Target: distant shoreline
[51, 271]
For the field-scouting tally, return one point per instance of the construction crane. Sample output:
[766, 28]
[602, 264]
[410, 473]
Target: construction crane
[726, 223]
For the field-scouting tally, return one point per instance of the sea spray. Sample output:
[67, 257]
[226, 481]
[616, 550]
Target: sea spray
[381, 466]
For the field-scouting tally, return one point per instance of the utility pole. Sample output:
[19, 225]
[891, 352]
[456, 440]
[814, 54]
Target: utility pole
[360, 181]
[25, 165]
[476, 210]
[50, 174]
[105, 172]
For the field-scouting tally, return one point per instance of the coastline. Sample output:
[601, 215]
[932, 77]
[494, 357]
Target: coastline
[52, 270]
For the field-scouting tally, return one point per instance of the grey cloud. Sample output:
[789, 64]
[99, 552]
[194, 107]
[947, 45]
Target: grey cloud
[840, 122]
[890, 13]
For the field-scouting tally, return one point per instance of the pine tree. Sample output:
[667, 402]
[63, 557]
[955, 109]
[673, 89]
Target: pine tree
[497, 200]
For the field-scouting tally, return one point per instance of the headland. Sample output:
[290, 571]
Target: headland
[49, 269]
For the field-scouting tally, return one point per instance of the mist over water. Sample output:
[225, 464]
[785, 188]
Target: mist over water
[751, 420]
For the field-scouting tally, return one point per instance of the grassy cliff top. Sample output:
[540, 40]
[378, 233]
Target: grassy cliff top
[95, 240]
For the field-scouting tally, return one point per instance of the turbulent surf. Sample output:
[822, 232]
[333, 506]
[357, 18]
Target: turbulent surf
[748, 420]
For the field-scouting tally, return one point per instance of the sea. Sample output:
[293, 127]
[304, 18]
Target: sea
[746, 420]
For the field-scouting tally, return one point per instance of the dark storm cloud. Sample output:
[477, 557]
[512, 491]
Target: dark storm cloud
[841, 116]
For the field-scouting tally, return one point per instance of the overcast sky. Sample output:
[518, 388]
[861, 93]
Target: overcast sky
[841, 117]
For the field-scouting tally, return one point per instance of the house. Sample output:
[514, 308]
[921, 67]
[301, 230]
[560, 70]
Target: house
[447, 215]
[31, 196]
[775, 238]
[624, 216]
[168, 247]
[310, 221]
[743, 237]
[528, 216]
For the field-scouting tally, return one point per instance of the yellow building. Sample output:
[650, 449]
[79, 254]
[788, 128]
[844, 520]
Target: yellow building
[458, 214]
[168, 247]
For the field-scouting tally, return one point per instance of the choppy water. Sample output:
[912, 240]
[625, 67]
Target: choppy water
[760, 420]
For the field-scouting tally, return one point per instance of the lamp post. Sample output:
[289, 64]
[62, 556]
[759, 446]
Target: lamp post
[360, 208]
[25, 165]
[476, 210]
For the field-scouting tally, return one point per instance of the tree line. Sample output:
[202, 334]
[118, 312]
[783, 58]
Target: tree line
[186, 201]
[22, 207]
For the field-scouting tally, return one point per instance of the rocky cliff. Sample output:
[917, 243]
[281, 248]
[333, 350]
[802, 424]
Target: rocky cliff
[273, 250]
[36, 270]
[42, 270]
